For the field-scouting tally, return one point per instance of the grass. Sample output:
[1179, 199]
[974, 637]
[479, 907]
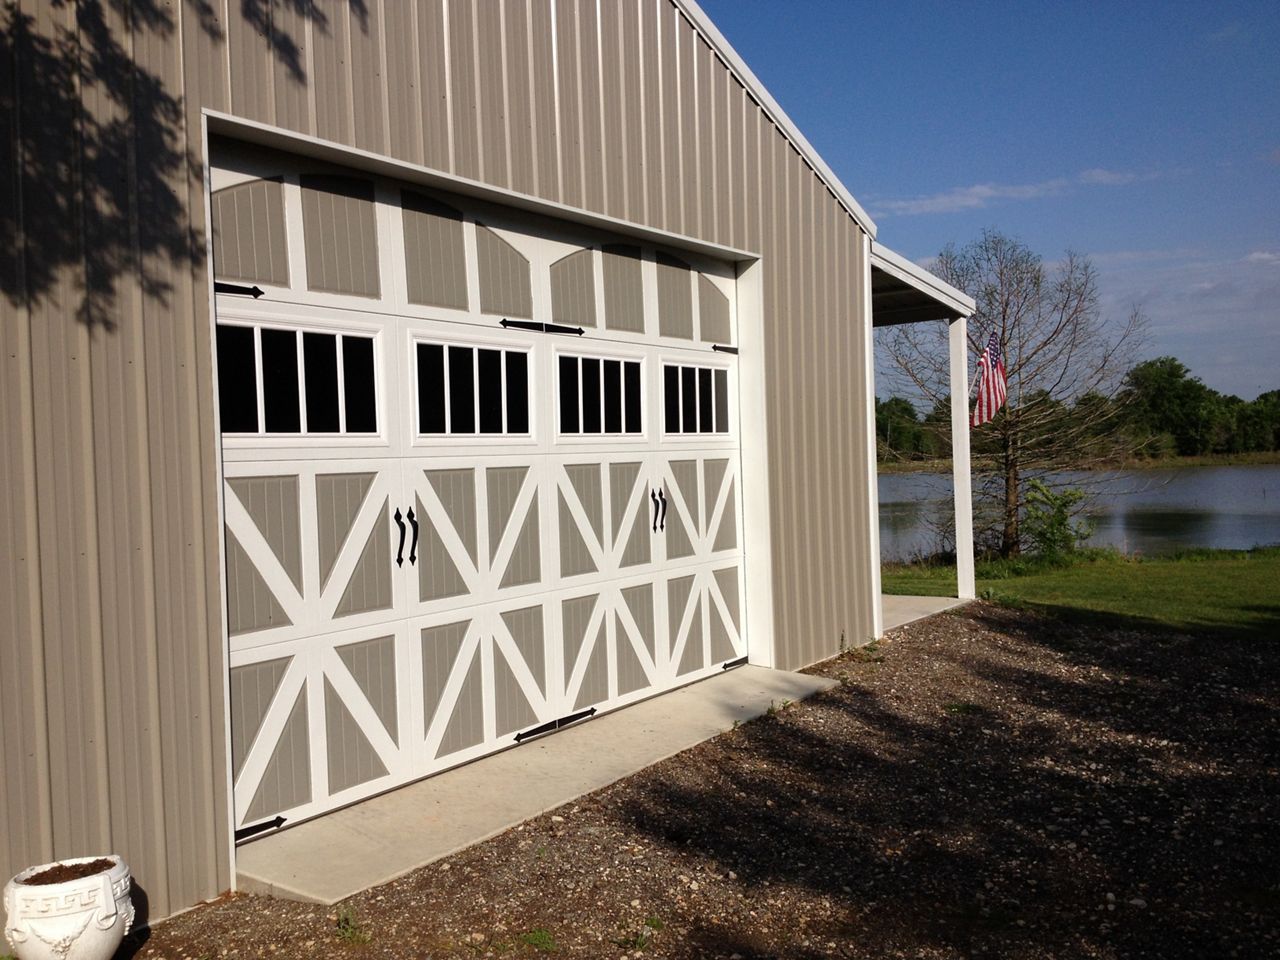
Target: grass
[539, 940]
[349, 928]
[1197, 589]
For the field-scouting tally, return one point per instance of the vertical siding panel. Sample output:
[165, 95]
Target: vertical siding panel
[495, 164]
[568, 78]
[688, 42]
[542, 94]
[204, 45]
[250, 66]
[462, 86]
[186, 545]
[613, 102]
[518, 83]
[634, 112]
[594, 161]
[672, 130]
[432, 58]
[832, 588]
[64, 468]
[330, 70]
[117, 378]
[708, 69]
[655, 210]
[727, 160]
[404, 100]
[24, 748]
[367, 89]
[290, 73]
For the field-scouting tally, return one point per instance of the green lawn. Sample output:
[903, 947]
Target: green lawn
[1215, 589]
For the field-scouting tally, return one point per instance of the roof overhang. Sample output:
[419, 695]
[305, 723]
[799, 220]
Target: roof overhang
[902, 292]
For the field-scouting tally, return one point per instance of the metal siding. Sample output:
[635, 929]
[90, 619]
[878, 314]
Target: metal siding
[432, 58]
[405, 110]
[116, 426]
[518, 82]
[613, 63]
[495, 164]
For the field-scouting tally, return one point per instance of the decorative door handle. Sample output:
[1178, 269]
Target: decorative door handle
[413, 548]
[653, 495]
[662, 524]
[399, 550]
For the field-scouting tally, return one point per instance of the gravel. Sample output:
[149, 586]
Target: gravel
[985, 783]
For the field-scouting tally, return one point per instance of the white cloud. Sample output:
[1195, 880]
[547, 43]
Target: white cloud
[1263, 256]
[981, 195]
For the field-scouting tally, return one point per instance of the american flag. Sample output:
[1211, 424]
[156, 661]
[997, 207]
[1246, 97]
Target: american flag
[992, 389]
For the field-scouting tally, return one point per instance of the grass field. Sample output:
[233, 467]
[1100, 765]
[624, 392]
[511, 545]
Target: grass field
[1196, 590]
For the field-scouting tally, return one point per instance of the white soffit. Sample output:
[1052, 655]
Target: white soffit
[702, 23]
[896, 265]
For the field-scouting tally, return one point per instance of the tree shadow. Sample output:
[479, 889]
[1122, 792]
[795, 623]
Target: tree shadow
[1080, 762]
[101, 164]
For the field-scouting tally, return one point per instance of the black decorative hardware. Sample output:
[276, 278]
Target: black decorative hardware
[653, 495]
[729, 665]
[662, 524]
[540, 327]
[255, 291]
[552, 725]
[721, 348]
[244, 833]
[413, 548]
[399, 550]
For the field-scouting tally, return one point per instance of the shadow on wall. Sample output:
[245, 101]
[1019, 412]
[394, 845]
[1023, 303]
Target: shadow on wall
[101, 157]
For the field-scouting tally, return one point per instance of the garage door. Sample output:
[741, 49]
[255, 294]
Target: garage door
[481, 478]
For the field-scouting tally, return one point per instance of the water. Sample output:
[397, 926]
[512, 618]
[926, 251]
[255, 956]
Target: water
[1147, 511]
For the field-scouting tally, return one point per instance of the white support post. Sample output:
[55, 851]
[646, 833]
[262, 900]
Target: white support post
[961, 478]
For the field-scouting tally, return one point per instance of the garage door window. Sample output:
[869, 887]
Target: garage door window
[599, 396]
[472, 391]
[695, 399]
[273, 380]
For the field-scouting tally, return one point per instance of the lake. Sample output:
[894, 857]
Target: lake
[1148, 511]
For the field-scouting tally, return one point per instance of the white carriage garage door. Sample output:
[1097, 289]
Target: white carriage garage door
[481, 478]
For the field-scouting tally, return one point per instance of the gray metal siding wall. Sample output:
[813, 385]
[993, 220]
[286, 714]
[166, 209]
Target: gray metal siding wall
[110, 580]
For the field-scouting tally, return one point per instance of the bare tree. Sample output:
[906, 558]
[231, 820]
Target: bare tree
[1065, 362]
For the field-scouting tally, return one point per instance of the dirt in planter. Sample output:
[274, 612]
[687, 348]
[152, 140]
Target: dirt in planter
[62, 872]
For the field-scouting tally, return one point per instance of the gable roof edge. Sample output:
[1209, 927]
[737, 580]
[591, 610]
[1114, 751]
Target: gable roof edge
[724, 50]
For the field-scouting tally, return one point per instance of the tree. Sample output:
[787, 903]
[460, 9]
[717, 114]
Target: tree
[1065, 362]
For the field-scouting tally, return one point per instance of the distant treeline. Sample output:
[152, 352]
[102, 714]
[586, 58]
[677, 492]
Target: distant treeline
[1162, 411]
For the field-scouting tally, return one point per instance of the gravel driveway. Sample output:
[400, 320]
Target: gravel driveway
[988, 782]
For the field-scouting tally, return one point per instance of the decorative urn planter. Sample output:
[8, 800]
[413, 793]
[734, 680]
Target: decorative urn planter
[52, 913]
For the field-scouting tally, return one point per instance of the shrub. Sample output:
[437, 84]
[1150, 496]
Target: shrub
[1049, 523]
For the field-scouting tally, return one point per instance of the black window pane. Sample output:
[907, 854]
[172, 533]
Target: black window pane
[631, 387]
[517, 392]
[590, 395]
[489, 364]
[722, 401]
[280, 381]
[237, 380]
[430, 388]
[704, 400]
[359, 389]
[320, 364]
[568, 394]
[689, 400]
[462, 391]
[612, 396]
[671, 398]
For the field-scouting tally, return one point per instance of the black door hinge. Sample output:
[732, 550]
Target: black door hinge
[721, 348]
[244, 833]
[540, 327]
[553, 725]
[255, 291]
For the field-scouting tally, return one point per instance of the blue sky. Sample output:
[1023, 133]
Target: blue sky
[1146, 135]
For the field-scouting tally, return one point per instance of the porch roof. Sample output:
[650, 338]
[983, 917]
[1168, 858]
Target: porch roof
[902, 292]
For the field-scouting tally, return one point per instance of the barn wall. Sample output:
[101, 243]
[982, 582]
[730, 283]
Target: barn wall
[110, 600]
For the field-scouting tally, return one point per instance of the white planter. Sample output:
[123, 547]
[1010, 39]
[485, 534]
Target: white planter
[81, 919]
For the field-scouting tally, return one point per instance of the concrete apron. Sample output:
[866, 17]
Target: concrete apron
[898, 611]
[370, 843]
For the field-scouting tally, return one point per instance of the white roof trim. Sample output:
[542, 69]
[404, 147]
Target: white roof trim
[774, 112]
[916, 276]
